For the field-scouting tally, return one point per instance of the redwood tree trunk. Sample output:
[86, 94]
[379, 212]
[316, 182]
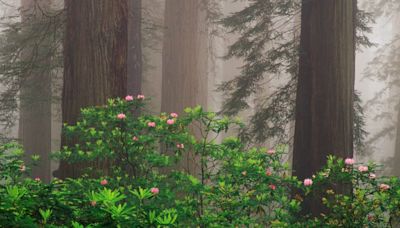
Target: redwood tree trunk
[184, 78]
[134, 83]
[35, 97]
[324, 106]
[95, 59]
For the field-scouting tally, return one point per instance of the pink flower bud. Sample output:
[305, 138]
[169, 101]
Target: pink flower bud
[180, 146]
[121, 116]
[129, 98]
[93, 203]
[170, 121]
[104, 182]
[151, 124]
[271, 152]
[174, 115]
[140, 97]
[37, 179]
[155, 191]
[308, 182]
[372, 176]
[268, 172]
[135, 138]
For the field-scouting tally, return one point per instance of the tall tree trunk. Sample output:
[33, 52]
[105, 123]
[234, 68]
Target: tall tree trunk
[35, 96]
[95, 59]
[184, 81]
[134, 83]
[324, 106]
[396, 158]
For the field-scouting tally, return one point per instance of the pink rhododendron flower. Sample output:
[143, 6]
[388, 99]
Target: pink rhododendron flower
[93, 203]
[272, 187]
[363, 168]
[140, 97]
[180, 146]
[174, 115]
[22, 168]
[170, 121]
[349, 161]
[104, 182]
[268, 172]
[121, 116]
[135, 138]
[308, 182]
[37, 179]
[151, 124]
[384, 187]
[155, 191]
[271, 152]
[372, 176]
[129, 98]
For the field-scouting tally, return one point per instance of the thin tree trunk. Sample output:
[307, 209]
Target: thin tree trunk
[324, 106]
[396, 158]
[35, 98]
[134, 83]
[184, 82]
[95, 60]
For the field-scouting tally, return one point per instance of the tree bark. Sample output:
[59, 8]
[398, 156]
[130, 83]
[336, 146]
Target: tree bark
[95, 60]
[35, 97]
[184, 81]
[324, 106]
[134, 83]
[396, 157]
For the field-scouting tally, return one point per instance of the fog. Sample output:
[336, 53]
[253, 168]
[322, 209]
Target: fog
[218, 70]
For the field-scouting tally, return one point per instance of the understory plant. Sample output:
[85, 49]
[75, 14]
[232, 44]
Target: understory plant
[134, 171]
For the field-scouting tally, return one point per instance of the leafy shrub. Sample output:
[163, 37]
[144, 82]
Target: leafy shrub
[143, 186]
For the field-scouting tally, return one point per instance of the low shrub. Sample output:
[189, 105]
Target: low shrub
[142, 185]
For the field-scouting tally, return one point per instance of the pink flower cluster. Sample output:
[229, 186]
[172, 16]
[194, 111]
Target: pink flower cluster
[151, 124]
[349, 161]
[308, 182]
[180, 146]
[154, 190]
[129, 98]
[174, 115]
[384, 187]
[363, 168]
[104, 182]
[121, 116]
[170, 121]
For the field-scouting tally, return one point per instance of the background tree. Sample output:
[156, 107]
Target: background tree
[134, 80]
[268, 45]
[35, 94]
[95, 59]
[184, 74]
[325, 91]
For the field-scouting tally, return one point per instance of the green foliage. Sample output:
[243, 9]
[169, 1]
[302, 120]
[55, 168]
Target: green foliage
[233, 185]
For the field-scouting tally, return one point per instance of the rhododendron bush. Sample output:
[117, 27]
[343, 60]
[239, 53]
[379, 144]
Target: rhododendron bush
[128, 177]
